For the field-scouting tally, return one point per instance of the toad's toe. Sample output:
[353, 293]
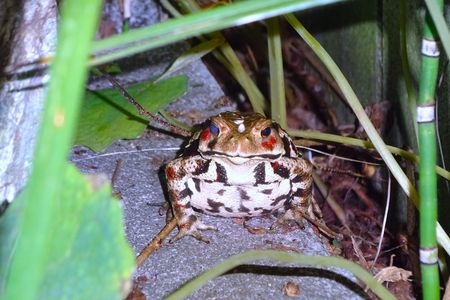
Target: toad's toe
[192, 229]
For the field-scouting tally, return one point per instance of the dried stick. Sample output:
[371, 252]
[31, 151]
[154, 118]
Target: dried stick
[116, 172]
[337, 209]
[156, 242]
[447, 291]
[142, 110]
[322, 227]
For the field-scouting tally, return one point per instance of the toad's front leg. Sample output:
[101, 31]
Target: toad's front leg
[301, 203]
[178, 172]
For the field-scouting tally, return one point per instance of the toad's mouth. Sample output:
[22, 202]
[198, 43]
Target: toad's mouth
[240, 158]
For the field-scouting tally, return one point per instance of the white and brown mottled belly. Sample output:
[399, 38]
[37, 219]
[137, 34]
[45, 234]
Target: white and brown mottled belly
[226, 200]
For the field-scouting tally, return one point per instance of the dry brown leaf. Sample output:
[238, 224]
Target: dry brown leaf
[291, 289]
[256, 230]
[392, 274]
[359, 253]
[136, 294]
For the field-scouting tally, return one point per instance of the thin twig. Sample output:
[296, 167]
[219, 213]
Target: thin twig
[337, 209]
[388, 201]
[337, 156]
[116, 172]
[438, 134]
[322, 227]
[142, 110]
[126, 152]
[447, 291]
[156, 242]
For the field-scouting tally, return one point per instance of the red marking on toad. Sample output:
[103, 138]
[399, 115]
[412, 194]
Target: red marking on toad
[206, 134]
[170, 173]
[270, 143]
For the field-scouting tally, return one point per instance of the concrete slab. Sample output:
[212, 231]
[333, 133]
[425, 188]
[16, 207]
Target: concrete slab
[170, 267]
[141, 187]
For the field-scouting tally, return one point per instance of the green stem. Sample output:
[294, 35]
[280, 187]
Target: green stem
[334, 138]
[427, 154]
[243, 78]
[357, 108]
[231, 62]
[56, 134]
[277, 94]
[442, 236]
[406, 69]
[252, 255]
[173, 30]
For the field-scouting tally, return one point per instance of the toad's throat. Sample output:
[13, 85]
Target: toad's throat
[237, 156]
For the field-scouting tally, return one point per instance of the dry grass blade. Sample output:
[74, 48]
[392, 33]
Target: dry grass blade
[337, 209]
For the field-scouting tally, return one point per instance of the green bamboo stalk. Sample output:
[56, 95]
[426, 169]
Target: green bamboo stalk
[427, 154]
[75, 38]
[435, 11]
[277, 93]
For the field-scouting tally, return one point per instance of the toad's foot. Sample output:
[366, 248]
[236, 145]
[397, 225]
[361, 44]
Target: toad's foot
[289, 215]
[192, 227]
[298, 216]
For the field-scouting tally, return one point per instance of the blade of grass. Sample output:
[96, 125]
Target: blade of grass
[406, 69]
[356, 106]
[193, 54]
[320, 136]
[235, 67]
[174, 121]
[227, 57]
[272, 255]
[277, 93]
[55, 138]
[170, 8]
[364, 120]
[173, 30]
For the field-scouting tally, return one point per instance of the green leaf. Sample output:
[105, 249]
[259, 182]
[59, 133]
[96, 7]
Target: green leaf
[191, 55]
[107, 116]
[88, 257]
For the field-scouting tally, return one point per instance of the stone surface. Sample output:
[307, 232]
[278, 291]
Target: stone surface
[140, 184]
[27, 32]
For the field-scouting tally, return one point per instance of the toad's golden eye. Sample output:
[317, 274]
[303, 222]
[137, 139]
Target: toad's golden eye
[266, 132]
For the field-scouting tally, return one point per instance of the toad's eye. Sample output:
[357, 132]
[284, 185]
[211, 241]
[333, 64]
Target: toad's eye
[214, 129]
[266, 132]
